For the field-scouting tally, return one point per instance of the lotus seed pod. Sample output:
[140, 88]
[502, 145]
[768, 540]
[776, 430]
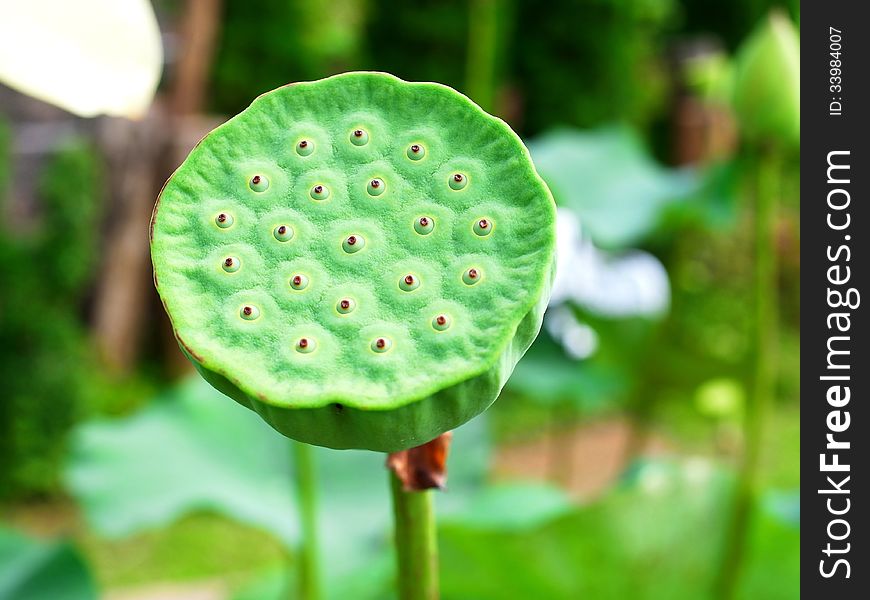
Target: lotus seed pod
[374, 320]
[767, 83]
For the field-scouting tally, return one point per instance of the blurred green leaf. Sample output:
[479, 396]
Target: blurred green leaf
[640, 541]
[609, 179]
[194, 449]
[35, 570]
[512, 507]
[191, 449]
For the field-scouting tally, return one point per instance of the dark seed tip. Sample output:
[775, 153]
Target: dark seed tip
[409, 279]
[457, 178]
[255, 179]
[247, 310]
[358, 133]
[441, 319]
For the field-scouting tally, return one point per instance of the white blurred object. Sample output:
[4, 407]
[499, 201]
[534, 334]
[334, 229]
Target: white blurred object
[578, 339]
[631, 284]
[89, 57]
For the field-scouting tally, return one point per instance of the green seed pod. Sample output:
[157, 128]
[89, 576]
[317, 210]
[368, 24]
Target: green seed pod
[767, 99]
[277, 337]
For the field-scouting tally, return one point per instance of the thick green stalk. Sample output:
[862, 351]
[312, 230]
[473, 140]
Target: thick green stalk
[306, 492]
[765, 317]
[416, 545]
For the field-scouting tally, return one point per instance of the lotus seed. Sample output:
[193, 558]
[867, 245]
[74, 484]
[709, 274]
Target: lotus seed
[353, 243]
[381, 345]
[259, 183]
[416, 152]
[320, 192]
[249, 312]
[409, 283]
[283, 233]
[441, 323]
[424, 225]
[223, 220]
[376, 187]
[458, 181]
[304, 148]
[471, 276]
[345, 306]
[231, 264]
[483, 228]
[299, 282]
[359, 137]
[306, 345]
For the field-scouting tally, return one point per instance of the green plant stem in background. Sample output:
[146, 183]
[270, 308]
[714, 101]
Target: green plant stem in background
[485, 41]
[416, 544]
[763, 372]
[306, 490]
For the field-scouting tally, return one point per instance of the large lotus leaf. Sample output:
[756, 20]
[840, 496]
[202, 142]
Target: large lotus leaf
[188, 450]
[36, 570]
[361, 260]
[609, 179]
[175, 456]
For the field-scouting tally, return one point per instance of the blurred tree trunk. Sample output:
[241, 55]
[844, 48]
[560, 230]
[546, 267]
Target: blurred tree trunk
[141, 156]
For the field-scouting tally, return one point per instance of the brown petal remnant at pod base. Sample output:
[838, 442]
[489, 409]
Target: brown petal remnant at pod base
[423, 467]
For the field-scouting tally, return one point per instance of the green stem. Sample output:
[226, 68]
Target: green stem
[485, 33]
[763, 373]
[416, 545]
[306, 491]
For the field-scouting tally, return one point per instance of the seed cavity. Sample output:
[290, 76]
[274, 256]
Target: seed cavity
[231, 264]
[472, 276]
[345, 306]
[283, 233]
[224, 220]
[424, 225]
[416, 152]
[259, 183]
[409, 283]
[320, 192]
[376, 187]
[381, 345]
[306, 345]
[359, 137]
[299, 282]
[483, 227]
[353, 243]
[305, 148]
[441, 322]
[249, 312]
[457, 181]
